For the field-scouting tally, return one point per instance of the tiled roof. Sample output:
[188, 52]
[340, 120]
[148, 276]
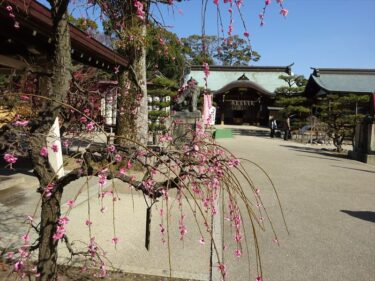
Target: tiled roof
[265, 77]
[360, 81]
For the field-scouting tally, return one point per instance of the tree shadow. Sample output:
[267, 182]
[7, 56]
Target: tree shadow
[12, 226]
[349, 168]
[363, 215]
[317, 157]
[250, 132]
[319, 151]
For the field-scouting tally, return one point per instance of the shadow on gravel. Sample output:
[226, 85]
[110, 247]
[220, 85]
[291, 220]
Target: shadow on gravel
[249, 132]
[319, 151]
[363, 215]
[349, 168]
[9, 221]
[317, 157]
[75, 274]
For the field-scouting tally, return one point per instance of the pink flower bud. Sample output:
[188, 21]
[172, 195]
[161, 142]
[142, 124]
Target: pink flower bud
[43, 151]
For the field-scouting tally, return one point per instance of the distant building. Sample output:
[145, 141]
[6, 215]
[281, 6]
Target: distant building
[243, 94]
[341, 81]
[325, 81]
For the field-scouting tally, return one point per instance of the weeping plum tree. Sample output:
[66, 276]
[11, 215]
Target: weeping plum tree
[200, 168]
[54, 94]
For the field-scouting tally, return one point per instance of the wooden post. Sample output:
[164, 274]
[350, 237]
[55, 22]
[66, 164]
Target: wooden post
[222, 110]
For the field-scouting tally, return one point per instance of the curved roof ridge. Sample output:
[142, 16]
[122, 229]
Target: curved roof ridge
[286, 69]
[244, 84]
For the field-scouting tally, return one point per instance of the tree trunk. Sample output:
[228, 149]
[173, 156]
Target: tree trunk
[142, 115]
[50, 210]
[132, 120]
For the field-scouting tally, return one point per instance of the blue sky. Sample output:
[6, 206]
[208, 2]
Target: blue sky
[316, 33]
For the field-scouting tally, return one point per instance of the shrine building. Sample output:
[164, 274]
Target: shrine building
[242, 94]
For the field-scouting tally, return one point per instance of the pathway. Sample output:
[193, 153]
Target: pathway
[329, 204]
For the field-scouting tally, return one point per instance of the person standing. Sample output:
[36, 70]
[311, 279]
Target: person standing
[287, 127]
[273, 127]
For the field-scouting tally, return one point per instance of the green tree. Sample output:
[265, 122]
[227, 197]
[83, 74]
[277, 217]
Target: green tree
[291, 98]
[199, 49]
[341, 113]
[164, 54]
[84, 24]
[229, 51]
[164, 90]
[235, 51]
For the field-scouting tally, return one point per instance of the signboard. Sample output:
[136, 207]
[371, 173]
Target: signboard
[212, 115]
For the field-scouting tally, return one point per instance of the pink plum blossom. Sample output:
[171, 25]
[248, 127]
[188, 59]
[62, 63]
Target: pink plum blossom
[111, 148]
[284, 12]
[238, 253]
[90, 126]
[206, 69]
[43, 151]
[221, 267]
[10, 255]
[48, 190]
[103, 271]
[165, 138]
[63, 220]
[19, 123]
[201, 241]
[26, 237]
[18, 266]
[122, 171]
[10, 158]
[103, 177]
[60, 232]
[140, 12]
[70, 203]
[55, 148]
[115, 240]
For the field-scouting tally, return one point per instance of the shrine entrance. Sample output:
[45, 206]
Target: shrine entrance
[243, 102]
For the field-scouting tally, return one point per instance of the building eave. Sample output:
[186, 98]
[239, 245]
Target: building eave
[224, 68]
[36, 17]
[244, 84]
[349, 71]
